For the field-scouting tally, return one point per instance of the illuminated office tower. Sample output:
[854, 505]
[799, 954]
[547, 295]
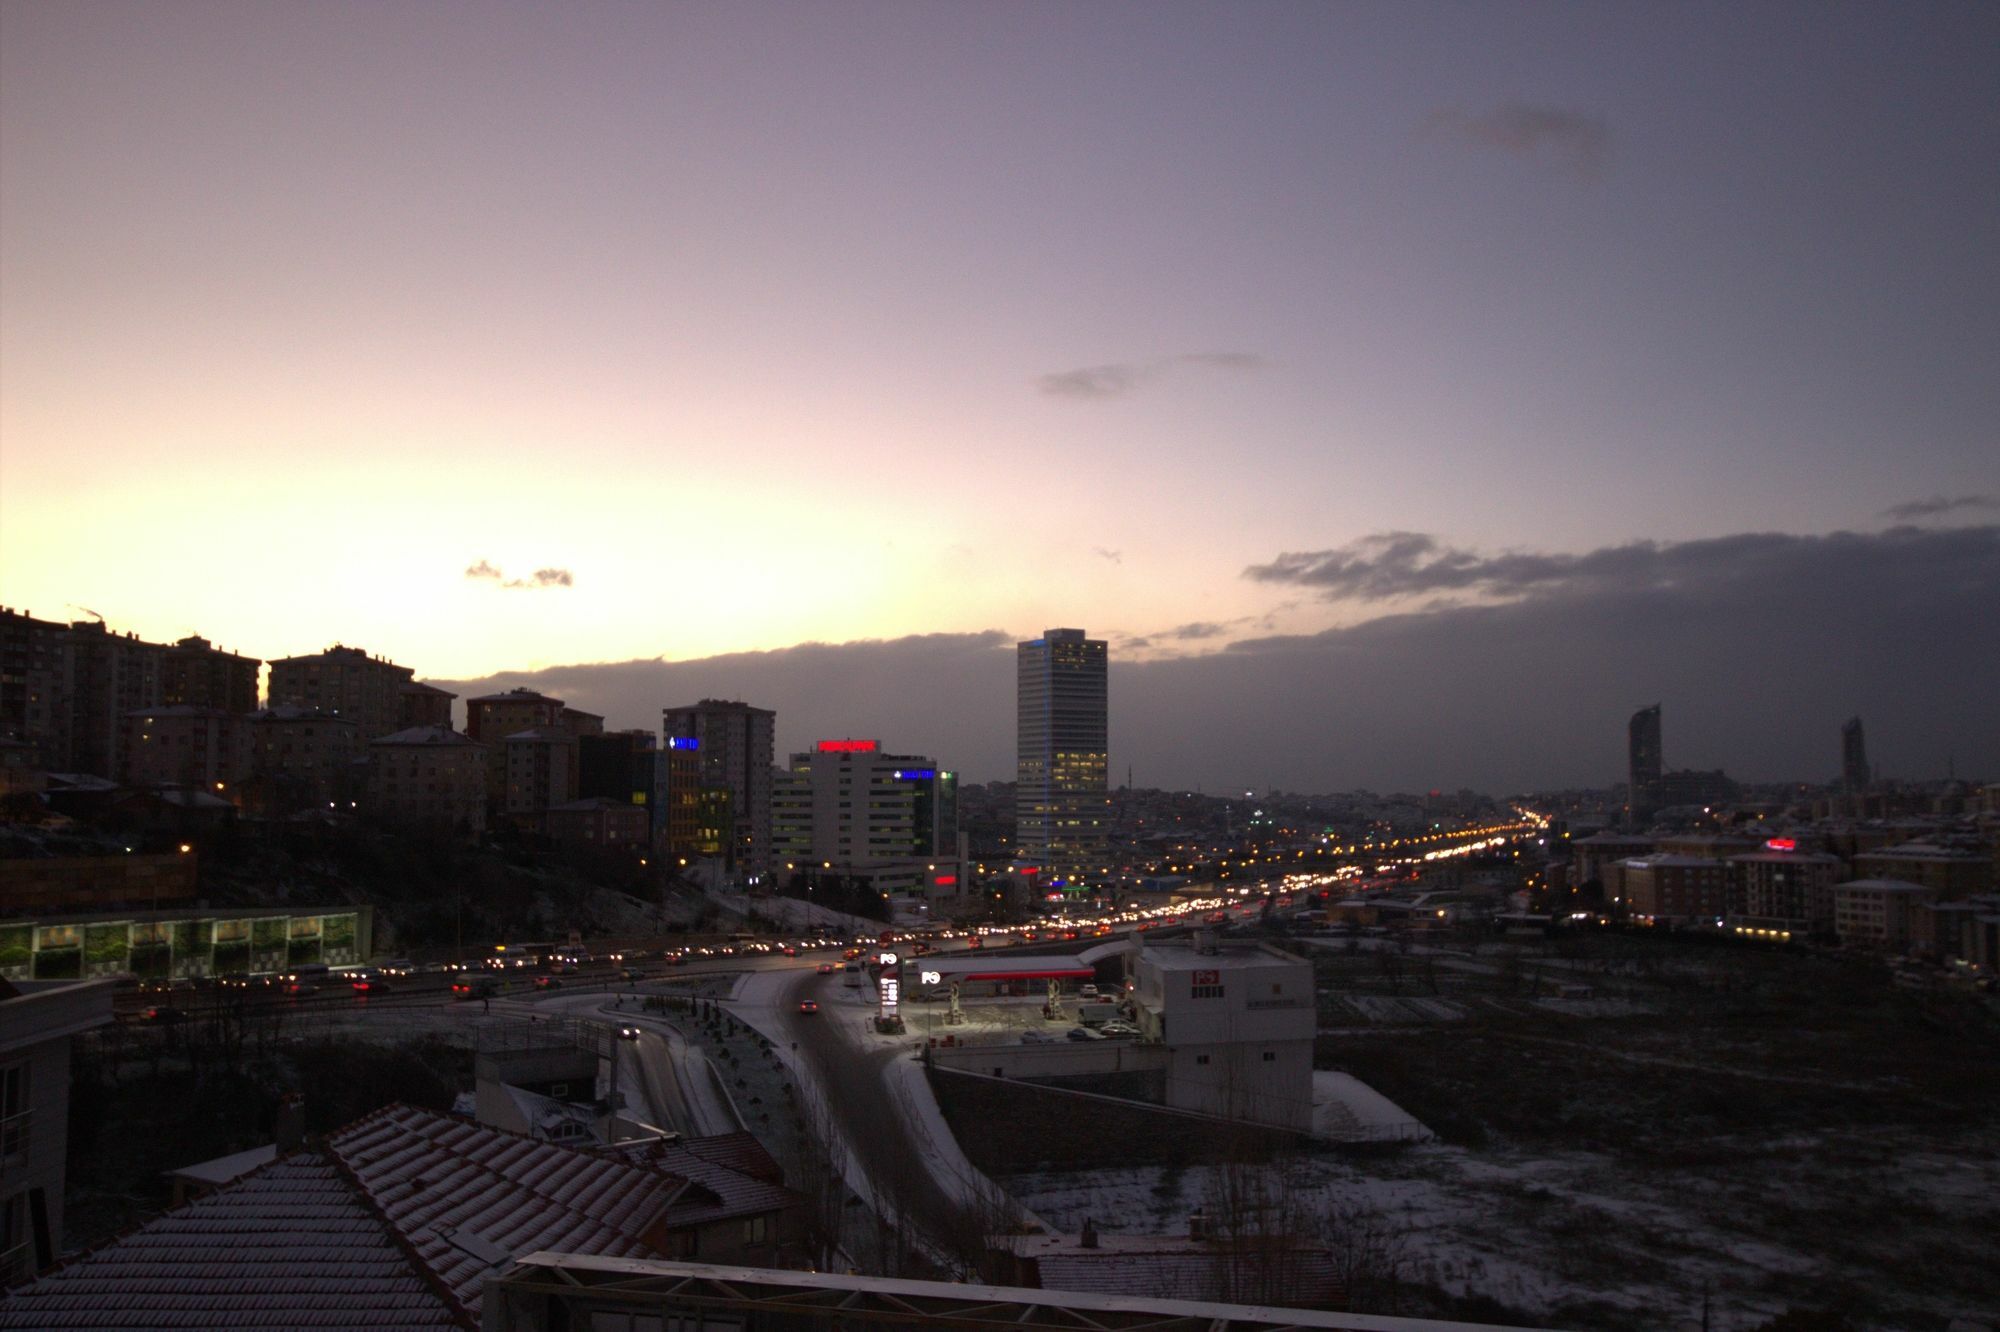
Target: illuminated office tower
[1062, 743]
[1854, 770]
[731, 744]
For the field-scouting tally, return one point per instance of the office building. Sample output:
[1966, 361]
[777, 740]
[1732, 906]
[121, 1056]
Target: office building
[733, 744]
[848, 807]
[1062, 753]
[1642, 751]
[1854, 771]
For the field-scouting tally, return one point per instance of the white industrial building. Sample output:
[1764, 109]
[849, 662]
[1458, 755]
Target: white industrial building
[1237, 1022]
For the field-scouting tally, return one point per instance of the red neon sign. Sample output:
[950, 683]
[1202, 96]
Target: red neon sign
[1783, 844]
[945, 880]
[849, 746]
[1031, 869]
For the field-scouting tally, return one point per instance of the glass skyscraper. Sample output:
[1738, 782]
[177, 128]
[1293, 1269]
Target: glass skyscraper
[1060, 794]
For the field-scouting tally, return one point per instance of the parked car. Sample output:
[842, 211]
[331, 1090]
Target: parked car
[1120, 1028]
[1087, 992]
[1035, 1038]
[1085, 1034]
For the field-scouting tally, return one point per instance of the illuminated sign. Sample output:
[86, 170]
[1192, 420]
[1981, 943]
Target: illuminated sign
[683, 742]
[892, 993]
[945, 880]
[1208, 978]
[888, 959]
[1030, 869]
[848, 746]
[931, 977]
[1783, 844]
[915, 774]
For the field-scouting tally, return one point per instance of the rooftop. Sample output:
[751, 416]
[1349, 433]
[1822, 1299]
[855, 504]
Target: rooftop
[1228, 956]
[434, 736]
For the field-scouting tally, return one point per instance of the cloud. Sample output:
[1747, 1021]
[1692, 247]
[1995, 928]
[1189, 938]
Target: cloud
[1759, 645]
[1102, 553]
[1939, 504]
[1570, 140]
[540, 578]
[1197, 629]
[1092, 383]
[1393, 565]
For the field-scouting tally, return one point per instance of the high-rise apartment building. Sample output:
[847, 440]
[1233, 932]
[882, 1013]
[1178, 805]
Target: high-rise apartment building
[1854, 771]
[195, 673]
[733, 744]
[346, 681]
[1062, 752]
[1642, 748]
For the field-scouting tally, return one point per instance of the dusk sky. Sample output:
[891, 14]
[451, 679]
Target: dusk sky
[1346, 349]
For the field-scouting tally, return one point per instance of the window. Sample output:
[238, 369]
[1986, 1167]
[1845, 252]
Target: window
[1270, 1056]
[756, 1229]
[1201, 1059]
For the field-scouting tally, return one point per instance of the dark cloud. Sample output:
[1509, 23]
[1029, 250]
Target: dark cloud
[1114, 556]
[1758, 646]
[1571, 140]
[1937, 505]
[1197, 629]
[540, 578]
[1118, 379]
[1391, 565]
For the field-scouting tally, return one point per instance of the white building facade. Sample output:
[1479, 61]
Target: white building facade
[1238, 1023]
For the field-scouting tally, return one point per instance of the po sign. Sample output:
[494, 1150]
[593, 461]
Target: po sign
[890, 983]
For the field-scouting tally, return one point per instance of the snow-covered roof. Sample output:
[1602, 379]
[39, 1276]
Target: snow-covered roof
[289, 1246]
[424, 735]
[222, 1169]
[469, 1198]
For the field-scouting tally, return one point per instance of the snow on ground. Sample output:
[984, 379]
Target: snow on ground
[1545, 1231]
[793, 914]
[1384, 1008]
[1348, 1109]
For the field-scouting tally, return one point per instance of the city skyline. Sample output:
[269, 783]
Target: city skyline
[424, 327]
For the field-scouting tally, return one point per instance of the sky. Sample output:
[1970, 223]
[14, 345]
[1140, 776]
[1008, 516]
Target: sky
[514, 340]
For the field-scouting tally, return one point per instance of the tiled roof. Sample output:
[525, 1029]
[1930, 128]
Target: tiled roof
[731, 1173]
[288, 1247]
[470, 1198]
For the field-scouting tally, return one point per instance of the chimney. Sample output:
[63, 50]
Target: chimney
[289, 1131]
[1088, 1239]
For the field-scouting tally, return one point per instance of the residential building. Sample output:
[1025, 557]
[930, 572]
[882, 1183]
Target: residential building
[1592, 856]
[1881, 913]
[34, 686]
[541, 774]
[1642, 765]
[300, 759]
[601, 822]
[1676, 890]
[1781, 892]
[1947, 872]
[54, 885]
[420, 704]
[428, 776]
[183, 745]
[733, 745]
[347, 682]
[195, 673]
[110, 675]
[1062, 753]
[626, 766]
[37, 1022]
[1238, 1022]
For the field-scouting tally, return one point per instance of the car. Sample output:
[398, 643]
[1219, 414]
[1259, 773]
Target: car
[1087, 992]
[632, 974]
[1084, 1034]
[1032, 1037]
[478, 987]
[299, 989]
[628, 1033]
[398, 966]
[367, 985]
[825, 969]
[1118, 1029]
[547, 983]
[808, 1005]
[166, 1017]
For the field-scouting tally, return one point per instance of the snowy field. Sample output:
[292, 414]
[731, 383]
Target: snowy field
[1575, 1239]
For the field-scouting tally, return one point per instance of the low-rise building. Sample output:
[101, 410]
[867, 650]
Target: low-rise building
[1780, 893]
[1880, 913]
[1946, 872]
[1668, 889]
[1238, 1022]
[601, 822]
